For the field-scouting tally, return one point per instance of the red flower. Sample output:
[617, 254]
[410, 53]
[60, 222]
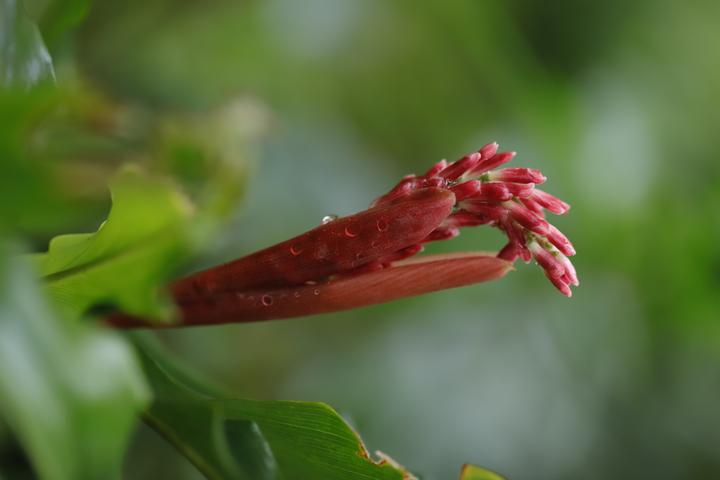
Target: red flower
[505, 198]
[362, 259]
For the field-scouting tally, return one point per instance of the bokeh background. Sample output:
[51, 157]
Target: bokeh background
[617, 102]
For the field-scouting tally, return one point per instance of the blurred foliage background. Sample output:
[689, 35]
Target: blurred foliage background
[323, 104]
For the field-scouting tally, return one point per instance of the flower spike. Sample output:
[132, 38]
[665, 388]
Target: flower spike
[365, 258]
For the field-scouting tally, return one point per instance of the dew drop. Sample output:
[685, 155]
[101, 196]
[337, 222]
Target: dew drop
[349, 232]
[296, 294]
[266, 300]
[316, 292]
[329, 218]
[382, 225]
[295, 250]
[374, 243]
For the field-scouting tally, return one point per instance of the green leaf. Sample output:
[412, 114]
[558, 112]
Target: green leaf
[70, 391]
[473, 472]
[134, 251]
[61, 15]
[215, 147]
[24, 59]
[26, 188]
[233, 438]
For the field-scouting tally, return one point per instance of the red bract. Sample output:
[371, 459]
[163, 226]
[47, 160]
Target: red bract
[405, 278]
[361, 259]
[375, 236]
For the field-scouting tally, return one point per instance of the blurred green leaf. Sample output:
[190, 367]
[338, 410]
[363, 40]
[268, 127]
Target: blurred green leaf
[195, 59]
[70, 391]
[26, 189]
[61, 15]
[473, 472]
[143, 240]
[24, 59]
[210, 152]
[232, 438]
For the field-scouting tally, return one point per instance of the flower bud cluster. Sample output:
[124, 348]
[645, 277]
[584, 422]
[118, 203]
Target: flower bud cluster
[506, 198]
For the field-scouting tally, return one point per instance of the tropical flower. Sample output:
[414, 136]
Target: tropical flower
[364, 259]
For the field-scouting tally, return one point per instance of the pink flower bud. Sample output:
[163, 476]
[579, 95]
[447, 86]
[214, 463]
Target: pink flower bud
[557, 266]
[489, 150]
[560, 284]
[550, 202]
[533, 206]
[547, 260]
[527, 218]
[457, 169]
[479, 207]
[518, 175]
[570, 273]
[490, 193]
[520, 190]
[560, 241]
[466, 189]
[494, 192]
[491, 163]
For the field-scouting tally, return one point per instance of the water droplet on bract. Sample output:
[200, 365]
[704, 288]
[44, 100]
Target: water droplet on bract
[240, 295]
[329, 218]
[316, 292]
[266, 300]
[296, 294]
[374, 243]
[382, 225]
[295, 250]
[349, 232]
